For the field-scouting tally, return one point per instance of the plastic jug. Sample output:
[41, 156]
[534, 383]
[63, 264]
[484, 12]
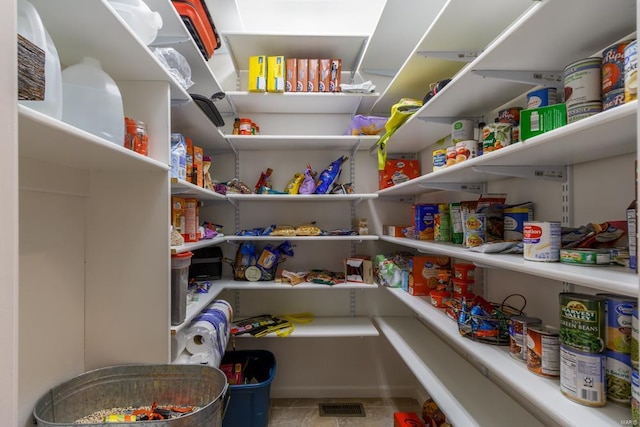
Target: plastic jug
[93, 101]
[143, 21]
[30, 26]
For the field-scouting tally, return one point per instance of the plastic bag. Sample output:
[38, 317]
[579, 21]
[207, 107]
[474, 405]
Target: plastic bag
[366, 125]
[176, 65]
[329, 176]
[308, 185]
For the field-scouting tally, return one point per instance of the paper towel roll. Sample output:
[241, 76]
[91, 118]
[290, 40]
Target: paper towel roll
[210, 359]
[202, 337]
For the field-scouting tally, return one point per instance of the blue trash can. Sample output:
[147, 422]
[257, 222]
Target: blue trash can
[249, 403]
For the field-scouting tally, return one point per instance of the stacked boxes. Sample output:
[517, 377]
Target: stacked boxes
[280, 74]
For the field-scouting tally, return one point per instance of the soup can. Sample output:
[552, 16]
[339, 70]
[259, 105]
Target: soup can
[582, 376]
[451, 155]
[542, 97]
[439, 159]
[541, 241]
[543, 350]
[619, 322]
[613, 98]
[466, 150]
[613, 67]
[517, 335]
[630, 71]
[635, 397]
[582, 111]
[583, 321]
[583, 81]
[618, 376]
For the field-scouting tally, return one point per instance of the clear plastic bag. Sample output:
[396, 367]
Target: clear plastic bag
[176, 64]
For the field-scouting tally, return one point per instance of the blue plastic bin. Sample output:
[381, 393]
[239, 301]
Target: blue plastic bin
[249, 403]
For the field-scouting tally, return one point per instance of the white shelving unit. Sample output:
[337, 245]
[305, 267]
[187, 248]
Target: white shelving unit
[266, 198]
[544, 393]
[187, 189]
[302, 142]
[318, 239]
[195, 307]
[331, 327]
[191, 246]
[297, 102]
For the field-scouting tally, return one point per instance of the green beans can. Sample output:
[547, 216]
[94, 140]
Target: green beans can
[618, 375]
[582, 322]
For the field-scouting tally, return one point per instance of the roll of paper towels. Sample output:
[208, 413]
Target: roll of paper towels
[202, 337]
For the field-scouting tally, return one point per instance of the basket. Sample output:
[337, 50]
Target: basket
[248, 269]
[491, 328]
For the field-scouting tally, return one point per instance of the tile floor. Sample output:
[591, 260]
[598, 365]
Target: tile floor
[305, 412]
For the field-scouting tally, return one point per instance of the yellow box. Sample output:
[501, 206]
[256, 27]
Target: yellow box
[275, 74]
[257, 73]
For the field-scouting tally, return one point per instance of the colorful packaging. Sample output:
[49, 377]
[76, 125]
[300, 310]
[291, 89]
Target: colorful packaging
[275, 74]
[336, 71]
[631, 71]
[257, 73]
[474, 226]
[541, 241]
[324, 78]
[424, 273]
[198, 166]
[442, 228]
[189, 160]
[292, 75]
[495, 136]
[302, 67]
[613, 67]
[439, 159]
[424, 221]
[457, 232]
[537, 121]
[178, 206]
[541, 98]
[313, 67]
[462, 130]
[397, 171]
[619, 322]
[583, 321]
[191, 220]
[514, 219]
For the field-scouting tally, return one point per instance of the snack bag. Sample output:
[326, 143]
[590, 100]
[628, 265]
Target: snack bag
[293, 186]
[329, 176]
[366, 125]
[308, 185]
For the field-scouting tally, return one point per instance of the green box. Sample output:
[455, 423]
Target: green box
[537, 121]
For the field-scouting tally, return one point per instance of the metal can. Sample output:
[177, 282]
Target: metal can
[466, 150]
[635, 332]
[541, 241]
[543, 350]
[495, 136]
[583, 81]
[619, 322]
[613, 67]
[582, 376]
[451, 155]
[474, 227]
[462, 130]
[582, 111]
[618, 376]
[613, 98]
[518, 326]
[630, 71]
[542, 97]
[439, 159]
[582, 321]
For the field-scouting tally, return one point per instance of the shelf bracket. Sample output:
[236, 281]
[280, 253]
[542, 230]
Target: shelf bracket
[545, 173]
[179, 102]
[352, 302]
[536, 78]
[468, 187]
[385, 73]
[447, 120]
[461, 56]
[356, 65]
[169, 40]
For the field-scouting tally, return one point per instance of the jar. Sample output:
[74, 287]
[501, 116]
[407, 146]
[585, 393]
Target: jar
[136, 137]
[245, 127]
[236, 126]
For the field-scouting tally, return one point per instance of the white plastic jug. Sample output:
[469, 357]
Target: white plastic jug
[30, 27]
[92, 100]
[143, 21]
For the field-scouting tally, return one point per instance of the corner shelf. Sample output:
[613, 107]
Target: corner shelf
[302, 142]
[186, 189]
[195, 307]
[233, 239]
[192, 246]
[297, 102]
[328, 327]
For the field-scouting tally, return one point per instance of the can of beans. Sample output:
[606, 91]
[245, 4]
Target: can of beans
[619, 322]
[618, 376]
[635, 333]
[543, 350]
[517, 335]
[582, 321]
[582, 376]
[541, 241]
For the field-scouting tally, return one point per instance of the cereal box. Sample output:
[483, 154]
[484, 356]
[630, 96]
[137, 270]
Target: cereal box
[292, 74]
[424, 221]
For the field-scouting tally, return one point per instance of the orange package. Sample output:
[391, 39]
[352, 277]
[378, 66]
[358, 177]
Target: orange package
[198, 166]
[189, 160]
[291, 71]
[314, 72]
[303, 75]
[324, 75]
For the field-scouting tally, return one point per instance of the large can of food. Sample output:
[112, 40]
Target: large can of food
[543, 350]
[514, 219]
[465, 150]
[582, 376]
[583, 81]
[613, 98]
[582, 321]
[518, 326]
[613, 67]
[541, 241]
[439, 158]
[618, 376]
[635, 338]
[631, 71]
[462, 130]
[584, 110]
[619, 321]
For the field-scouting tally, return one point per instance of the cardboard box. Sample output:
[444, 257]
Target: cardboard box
[394, 230]
[424, 220]
[292, 75]
[314, 73]
[303, 75]
[191, 220]
[177, 213]
[324, 77]
[397, 171]
[334, 79]
[406, 419]
[359, 269]
[424, 273]
[275, 74]
[537, 121]
[189, 160]
[257, 73]
[198, 166]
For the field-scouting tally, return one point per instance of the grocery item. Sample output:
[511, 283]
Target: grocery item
[585, 256]
[613, 67]
[439, 159]
[514, 219]
[397, 171]
[619, 322]
[335, 78]
[424, 220]
[291, 71]
[582, 376]
[302, 68]
[313, 68]
[631, 72]
[618, 376]
[542, 97]
[518, 331]
[330, 175]
[465, 150]
[543, 350]
[537, 121]
[324, 75]
[144, 22]
[583, 82]
[582, 321]
[495, 136]
[178, 156]
[464, 271]
[541, 241]
[257, 73]
[462, 130]
[275, 74]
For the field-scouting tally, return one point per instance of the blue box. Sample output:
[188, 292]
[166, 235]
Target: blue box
[249, 403]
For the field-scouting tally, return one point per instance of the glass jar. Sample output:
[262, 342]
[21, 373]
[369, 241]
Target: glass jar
[245, 127]
[136, 137]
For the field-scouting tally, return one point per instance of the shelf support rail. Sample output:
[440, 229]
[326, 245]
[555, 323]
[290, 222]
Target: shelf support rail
[356, 64]
[567, 214]
[545, 173]
[352, 302]
[468, 187]
[460, 56]
[536, 78]
[448, 120]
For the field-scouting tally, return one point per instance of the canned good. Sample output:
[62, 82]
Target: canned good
[510, 115]
[582, 376]
[583, 81]
[462, 130]
[587, 257]
[518, 326]
[514, 219]
[441, 226]
[582, 111]
[542, 97]
[461, 287]
[582, 321]
[630, 71]
[439, 159]
[541, 241]
[543, 350]
[495, 136]
[613, 98]
[613, 67]
[635, 397]
[618, 376]
[619, 322]
[451, 156]
[635, 333]
[466, 149]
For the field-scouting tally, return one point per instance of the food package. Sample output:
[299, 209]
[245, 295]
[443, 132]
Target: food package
[307, 230]
[366, 125]
[308, 185]
[293, 186]
[284, 230]
[329, 176]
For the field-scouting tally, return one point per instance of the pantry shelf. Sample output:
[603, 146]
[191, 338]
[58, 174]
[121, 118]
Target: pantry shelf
[300, 238]
[568, 145]
[192, 246]
[542, 392]
[235, 197]
[51, 140]
[328, 327]
[463, 393]
[613, 279]
[195, 307]
[297, 102]
[302, 142]
[186, 189]
[243, 285]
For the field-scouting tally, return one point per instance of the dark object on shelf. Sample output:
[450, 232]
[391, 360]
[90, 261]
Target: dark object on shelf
[206, 264]
[196, 18]
[31, 74]
[208, 107]
[488, 322]
[435, 88]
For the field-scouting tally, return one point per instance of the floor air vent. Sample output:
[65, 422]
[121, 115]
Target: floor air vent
[342, 410]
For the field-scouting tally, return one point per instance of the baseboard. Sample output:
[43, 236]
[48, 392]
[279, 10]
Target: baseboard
[341, 392]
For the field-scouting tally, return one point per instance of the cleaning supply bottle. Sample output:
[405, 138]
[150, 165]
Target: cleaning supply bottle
[93, 101]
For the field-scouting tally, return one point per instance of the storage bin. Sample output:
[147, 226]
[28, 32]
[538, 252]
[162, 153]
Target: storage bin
[249, 403]
[206, 264]
[137, 386]
[179, 285]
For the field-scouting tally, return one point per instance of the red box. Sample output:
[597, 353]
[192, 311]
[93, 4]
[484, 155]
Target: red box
[406, 419]
[424, 273]
[397, 171]
[313, 66]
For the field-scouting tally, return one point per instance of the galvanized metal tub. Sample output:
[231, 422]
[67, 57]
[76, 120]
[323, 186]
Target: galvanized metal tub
[137, 385]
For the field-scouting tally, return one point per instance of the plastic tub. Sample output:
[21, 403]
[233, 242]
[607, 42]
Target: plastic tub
[144, 22]
[249, 403]
[464, 271]
[179, 286]
[136, 386]
[92, 101]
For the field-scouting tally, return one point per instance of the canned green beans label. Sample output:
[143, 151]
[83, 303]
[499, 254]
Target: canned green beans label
[582, 322]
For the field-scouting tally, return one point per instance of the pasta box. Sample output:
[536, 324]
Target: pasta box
[397, 171]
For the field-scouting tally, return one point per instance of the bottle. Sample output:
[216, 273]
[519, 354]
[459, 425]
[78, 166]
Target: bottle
[481, 126]
[236, 126]
[92, 100]
[245, 127]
